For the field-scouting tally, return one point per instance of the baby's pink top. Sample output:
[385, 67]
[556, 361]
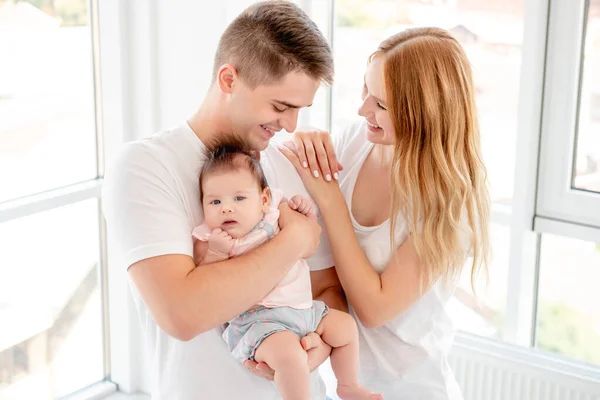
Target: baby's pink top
[294, 289]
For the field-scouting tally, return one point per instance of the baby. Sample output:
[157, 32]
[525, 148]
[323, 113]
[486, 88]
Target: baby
[241, 213]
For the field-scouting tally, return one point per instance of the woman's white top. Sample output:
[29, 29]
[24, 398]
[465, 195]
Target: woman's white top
[407, 357]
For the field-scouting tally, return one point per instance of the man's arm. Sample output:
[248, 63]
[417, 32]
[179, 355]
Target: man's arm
[186, 300]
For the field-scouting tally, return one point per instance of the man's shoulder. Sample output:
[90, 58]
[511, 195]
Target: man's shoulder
[132, 156]
[275, 164]
[152, 149]
[281, 173]
[352, 132]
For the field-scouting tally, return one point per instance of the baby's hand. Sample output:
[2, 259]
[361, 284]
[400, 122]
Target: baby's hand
[302, 205]
[220, 242]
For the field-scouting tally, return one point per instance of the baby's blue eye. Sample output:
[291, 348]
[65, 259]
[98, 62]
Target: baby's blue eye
[239, 198]
[215, 202]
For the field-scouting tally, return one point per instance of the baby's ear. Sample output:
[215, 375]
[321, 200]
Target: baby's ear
[266, 199]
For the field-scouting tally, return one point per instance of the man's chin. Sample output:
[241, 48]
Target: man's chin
[260, 145]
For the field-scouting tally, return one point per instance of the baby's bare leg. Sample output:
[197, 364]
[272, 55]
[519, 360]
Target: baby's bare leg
[338, 329]
[284, 354]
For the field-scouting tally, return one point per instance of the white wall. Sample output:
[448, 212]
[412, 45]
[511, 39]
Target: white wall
[172, 45]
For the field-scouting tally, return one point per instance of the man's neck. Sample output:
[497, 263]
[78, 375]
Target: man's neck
[208, 122]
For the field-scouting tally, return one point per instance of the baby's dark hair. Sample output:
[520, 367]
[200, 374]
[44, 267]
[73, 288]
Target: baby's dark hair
[231, 154]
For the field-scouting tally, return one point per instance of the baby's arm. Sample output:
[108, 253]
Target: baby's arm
[217, 248]
[302, 205]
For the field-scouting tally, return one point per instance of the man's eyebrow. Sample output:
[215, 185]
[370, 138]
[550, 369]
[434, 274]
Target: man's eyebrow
[285, 103]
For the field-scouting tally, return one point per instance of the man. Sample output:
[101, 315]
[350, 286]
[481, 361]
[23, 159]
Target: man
[269, 64]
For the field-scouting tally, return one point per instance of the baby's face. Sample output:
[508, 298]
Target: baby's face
[233, 201]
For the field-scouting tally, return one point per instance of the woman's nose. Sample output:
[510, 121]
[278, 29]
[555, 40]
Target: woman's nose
[361, 110]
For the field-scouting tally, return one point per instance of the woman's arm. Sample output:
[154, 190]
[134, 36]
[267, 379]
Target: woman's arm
[376, 298]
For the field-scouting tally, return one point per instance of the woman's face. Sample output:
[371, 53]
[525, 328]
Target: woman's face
[375, 107]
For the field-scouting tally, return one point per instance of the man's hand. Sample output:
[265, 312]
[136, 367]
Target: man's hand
[317, 350]
[220, 242]
[304, 229]
[262, 370]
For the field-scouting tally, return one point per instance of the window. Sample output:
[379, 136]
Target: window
[568, 313]
[586, 174]
[568, 176]
[52, 340]
[482, 311]
[50, 303]
[46, 97]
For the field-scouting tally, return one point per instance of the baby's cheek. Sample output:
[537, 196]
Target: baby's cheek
[211, 220]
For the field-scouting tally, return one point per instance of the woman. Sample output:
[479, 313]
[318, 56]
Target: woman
[411, 206]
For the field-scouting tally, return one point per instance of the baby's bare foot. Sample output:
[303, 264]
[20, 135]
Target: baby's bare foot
[356, 392]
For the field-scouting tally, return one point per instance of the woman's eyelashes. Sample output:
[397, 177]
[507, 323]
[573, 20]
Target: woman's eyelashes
[380, 106]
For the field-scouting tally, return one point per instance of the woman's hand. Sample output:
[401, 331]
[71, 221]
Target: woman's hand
[314, 149]
[323, 193]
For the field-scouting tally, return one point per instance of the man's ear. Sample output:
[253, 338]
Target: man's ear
[266, 199]
[226, 77]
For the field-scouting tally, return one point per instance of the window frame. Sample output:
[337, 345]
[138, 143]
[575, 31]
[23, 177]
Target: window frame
[558, 201]
[91, 189]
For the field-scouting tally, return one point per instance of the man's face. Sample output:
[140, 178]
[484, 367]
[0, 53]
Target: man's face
[257, 114]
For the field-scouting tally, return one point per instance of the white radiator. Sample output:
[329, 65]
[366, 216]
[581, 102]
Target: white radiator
[495, 371]
[510, 374]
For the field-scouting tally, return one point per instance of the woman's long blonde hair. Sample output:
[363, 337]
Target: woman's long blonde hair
[438, 178]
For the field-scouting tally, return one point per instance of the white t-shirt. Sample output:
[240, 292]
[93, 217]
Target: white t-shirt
[407, 357]
[152, 203]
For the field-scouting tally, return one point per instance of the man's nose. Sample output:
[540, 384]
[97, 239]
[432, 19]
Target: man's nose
[290, 121]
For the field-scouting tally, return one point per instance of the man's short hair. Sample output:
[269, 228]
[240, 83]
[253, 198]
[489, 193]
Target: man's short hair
[270, 39]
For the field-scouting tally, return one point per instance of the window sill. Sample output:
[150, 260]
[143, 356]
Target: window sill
[105, 390]
[123, 396]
